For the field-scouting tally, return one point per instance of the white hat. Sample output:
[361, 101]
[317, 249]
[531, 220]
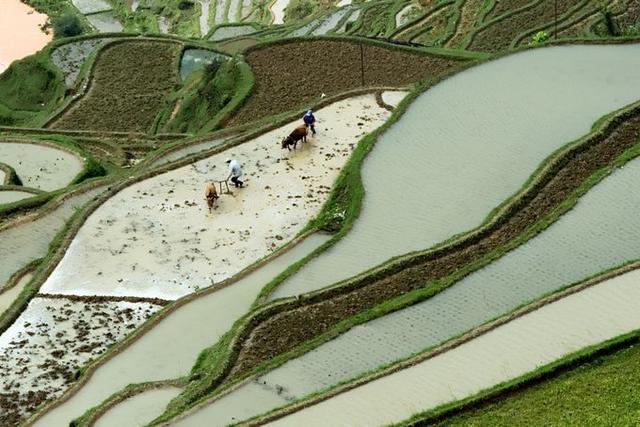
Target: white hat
[228, 161]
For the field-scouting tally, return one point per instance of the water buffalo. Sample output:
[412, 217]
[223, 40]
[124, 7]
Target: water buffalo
[210, 195]
[299, 133]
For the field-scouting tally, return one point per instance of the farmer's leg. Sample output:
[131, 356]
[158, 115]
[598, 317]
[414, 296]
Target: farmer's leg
[234, 179]
[313, 129]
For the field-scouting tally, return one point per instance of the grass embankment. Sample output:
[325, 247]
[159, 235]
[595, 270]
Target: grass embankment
[291, 74]
[29, 89]
[130, 83]
[210, 95]
[603, 391]
[296, 325]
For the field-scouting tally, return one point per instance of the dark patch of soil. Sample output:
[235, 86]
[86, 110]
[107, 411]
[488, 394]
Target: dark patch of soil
[129, 84]
[295, 74]
[307, 318]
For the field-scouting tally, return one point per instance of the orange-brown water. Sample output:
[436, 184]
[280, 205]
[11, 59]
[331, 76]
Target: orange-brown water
[20, 31]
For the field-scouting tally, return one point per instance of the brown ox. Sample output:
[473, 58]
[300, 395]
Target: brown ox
[299, 133]
[210, 195]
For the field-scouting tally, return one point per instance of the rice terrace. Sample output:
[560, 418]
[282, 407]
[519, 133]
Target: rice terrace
[319, 213]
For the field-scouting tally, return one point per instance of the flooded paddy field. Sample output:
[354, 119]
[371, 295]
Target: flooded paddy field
[105, 22]
[139, 410]
[277, 10]
[91, 6]
[70, 57]
[41, 166]
[9, 196]
[393, 97]
[52, 338]
[232, 31]
[197, 59]
[177, 340]
[586, 318]
[459, 159]
[155, 238]
[598, 234]
[27, 241]
[7, 296]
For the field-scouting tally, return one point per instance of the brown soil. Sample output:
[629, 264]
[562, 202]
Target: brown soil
[630, 17]
[104, 298]
[294, 74]
[499, 35]
[505, 6]
[275, 333]
[129, 84]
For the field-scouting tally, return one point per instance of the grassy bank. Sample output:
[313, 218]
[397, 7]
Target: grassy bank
[29, 89]
[600, 392]
[210, 95]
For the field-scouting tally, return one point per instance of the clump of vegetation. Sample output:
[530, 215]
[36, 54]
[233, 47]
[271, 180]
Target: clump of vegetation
[539, 37]
[299, 9]
[129, 85]
[208, 93]
[27, 88]
[609, 22]
[595, 393]
[30, 84]
[632, 30]
[66, 25]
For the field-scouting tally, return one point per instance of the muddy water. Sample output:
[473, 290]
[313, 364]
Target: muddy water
[3, 176]
[105, 22]
[30, 240]
[8, 196]
[277, 9]
[20, 32]
[234, 31]
[393, 97]
[463, 147]
[352, 18]
[156, 237]
[233, 10]
[8, 297]
[196, 59]
[52, 338]
[220, 11]
[594, 315]
[176, 341]
[601, 232]
[91, 6]
[41, 166]
[204, 17]
[138, 410]
[330, 22]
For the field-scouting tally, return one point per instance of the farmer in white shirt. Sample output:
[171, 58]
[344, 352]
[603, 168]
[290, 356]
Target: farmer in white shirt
[235, 172]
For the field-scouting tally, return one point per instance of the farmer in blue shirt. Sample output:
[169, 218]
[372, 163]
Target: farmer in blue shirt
[310, 120]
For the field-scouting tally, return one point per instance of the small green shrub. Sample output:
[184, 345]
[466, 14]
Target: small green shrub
[539, 37]
[66, 25]
[632, 30]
